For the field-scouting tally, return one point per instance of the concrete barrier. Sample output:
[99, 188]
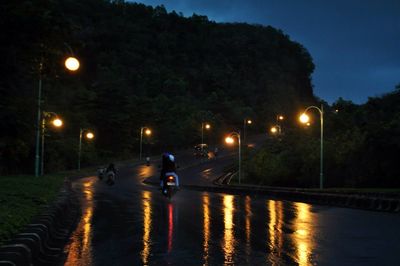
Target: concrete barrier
[41, 242]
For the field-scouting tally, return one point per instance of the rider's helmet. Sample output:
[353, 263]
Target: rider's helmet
[168, 156]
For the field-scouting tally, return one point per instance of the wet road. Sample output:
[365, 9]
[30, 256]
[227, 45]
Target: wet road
[133, 224]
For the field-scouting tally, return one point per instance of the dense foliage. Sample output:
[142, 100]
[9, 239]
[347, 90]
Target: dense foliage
[140, 66]
[361, 148]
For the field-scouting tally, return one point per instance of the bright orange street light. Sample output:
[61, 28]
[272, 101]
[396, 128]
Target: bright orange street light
[274, 130]
[207, 126]
[230, 140]
[304, 118]
[57, 122]
[147, 131]
[72, 63]
[89, 135]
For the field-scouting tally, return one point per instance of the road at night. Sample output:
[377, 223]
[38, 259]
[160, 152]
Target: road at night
[131, 223]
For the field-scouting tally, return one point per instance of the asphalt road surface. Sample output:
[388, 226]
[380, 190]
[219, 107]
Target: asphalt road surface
[131, 223]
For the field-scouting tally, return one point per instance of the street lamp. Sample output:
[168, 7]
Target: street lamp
[304, 118]
[89, 135]
[71, 64]
[206, 126]
[245, 122]
[147, 131]
[276, 129]
[230, 140]
[57, 122]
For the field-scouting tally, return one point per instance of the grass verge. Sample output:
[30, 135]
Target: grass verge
[22, 197]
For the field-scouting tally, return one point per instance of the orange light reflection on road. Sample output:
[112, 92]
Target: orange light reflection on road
[146, 171]
[302, 237]
[275, 243]
[80, 251]
[147, 223]
[206, 227]
[248, 224]
[229, 238]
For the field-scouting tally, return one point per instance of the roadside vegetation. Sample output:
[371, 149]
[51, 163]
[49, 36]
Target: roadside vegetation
[22, 197]
[361, 148]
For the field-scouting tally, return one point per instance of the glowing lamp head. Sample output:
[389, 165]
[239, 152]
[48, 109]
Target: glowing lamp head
[281, 117]
[207, 126]
[147, 132]
[229, 140]
[57, 122]
[249, 122]
[72, 64]
[304, 118]
[89, 135]
[274, 130]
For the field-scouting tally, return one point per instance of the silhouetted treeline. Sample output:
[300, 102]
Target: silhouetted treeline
[361, 148]
[140, 66]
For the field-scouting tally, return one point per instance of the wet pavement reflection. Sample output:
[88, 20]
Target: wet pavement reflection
[80, 249]
[229, 237]
[147, 223]
[206, 228]
[140, 227]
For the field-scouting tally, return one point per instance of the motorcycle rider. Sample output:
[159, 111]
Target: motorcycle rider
[111, 169]
[168, 165]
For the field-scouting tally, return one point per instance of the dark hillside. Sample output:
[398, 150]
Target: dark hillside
[140, 66]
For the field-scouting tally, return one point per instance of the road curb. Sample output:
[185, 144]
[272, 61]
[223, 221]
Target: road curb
[352, 200]
[356, 201]
[41, 242]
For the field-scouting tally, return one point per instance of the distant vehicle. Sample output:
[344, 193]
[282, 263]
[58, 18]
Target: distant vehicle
[201, 150]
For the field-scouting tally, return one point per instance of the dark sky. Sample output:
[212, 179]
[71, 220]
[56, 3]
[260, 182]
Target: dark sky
[355, 44]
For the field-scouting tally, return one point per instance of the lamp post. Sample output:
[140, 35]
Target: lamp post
[38, 127]
[245, 122]
[304, 119]
[230, 140]
[89, 135]
[57, 122]
[72, 64]
[148, 133]
[207, 126]
[279, 119]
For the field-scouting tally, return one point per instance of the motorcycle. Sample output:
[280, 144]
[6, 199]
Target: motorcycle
[101, 173]
[110, 178]
[171, 185]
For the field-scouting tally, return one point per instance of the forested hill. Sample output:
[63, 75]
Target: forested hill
[140, 66]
